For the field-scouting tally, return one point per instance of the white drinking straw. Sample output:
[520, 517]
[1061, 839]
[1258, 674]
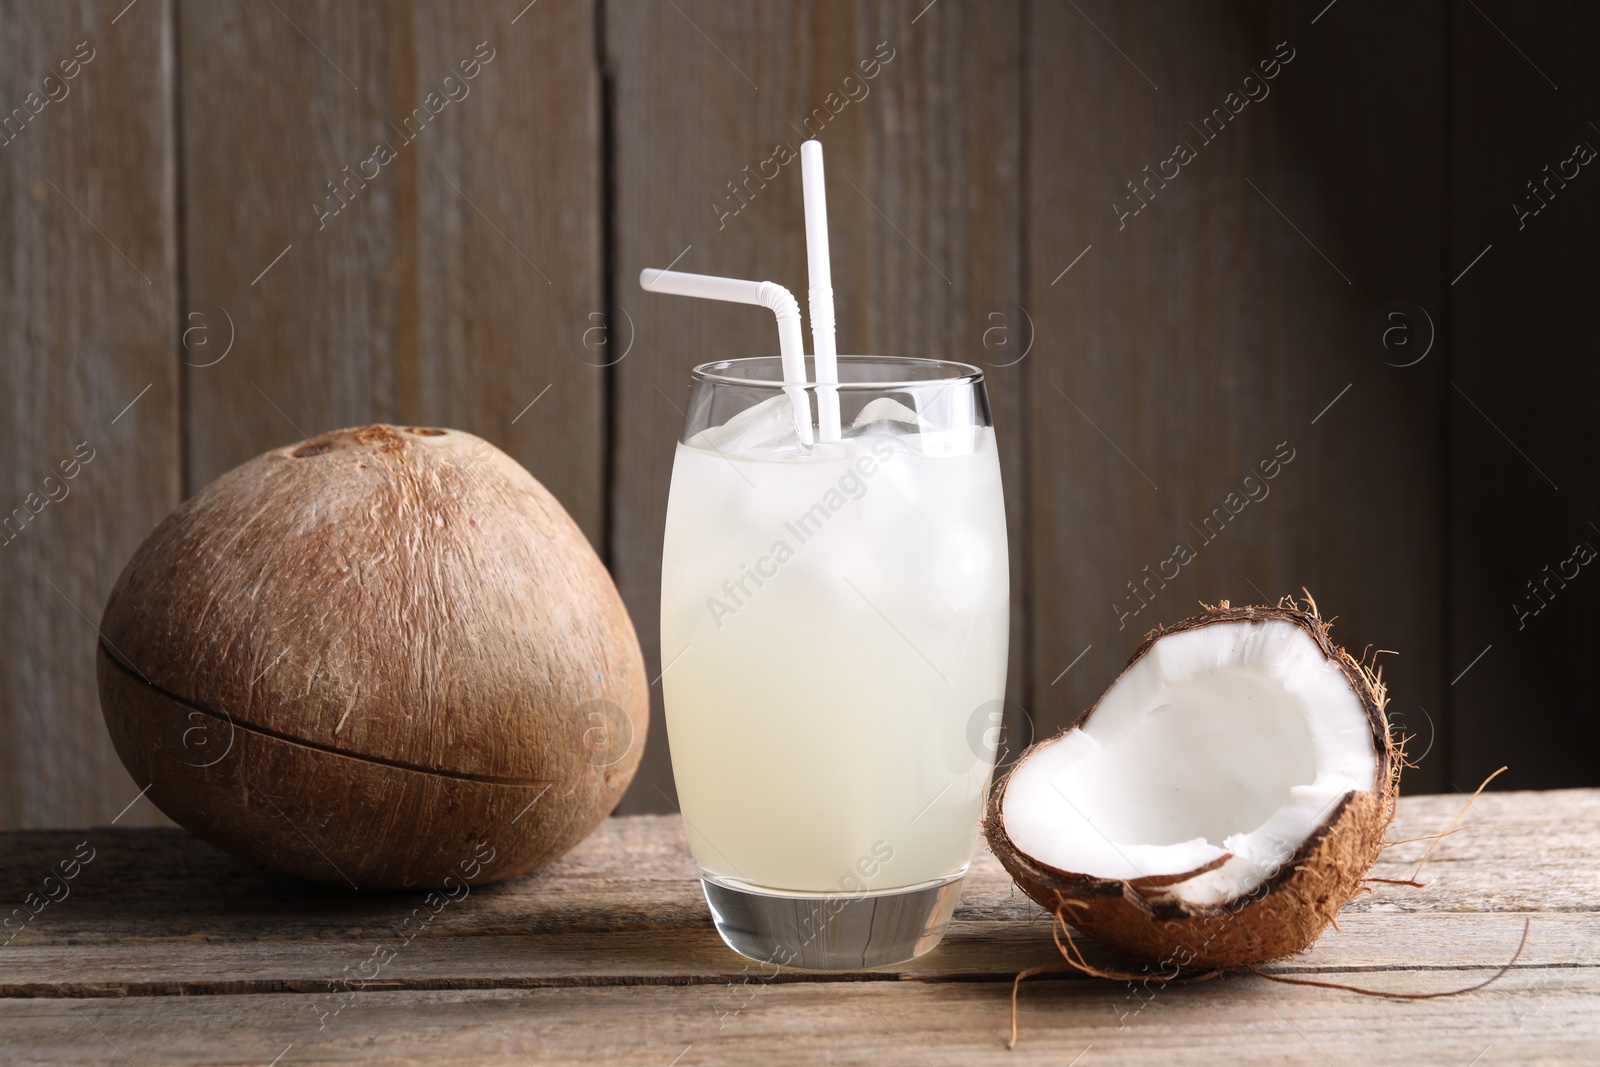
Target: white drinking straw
[791, 343]
[823, 349]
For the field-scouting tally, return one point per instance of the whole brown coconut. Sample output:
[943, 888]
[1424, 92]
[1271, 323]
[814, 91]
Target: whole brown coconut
[1283, 910]
[384, 657]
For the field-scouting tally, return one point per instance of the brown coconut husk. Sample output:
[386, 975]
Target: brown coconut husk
[385, 657]
[1278, 918]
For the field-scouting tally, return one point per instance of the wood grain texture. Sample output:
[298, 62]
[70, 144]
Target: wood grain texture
[923, 201]
[1208, 329]
[1522, 396]
[453, 282]
[88, 316]
[1543, 1017]
[171, 951]
[152, 909]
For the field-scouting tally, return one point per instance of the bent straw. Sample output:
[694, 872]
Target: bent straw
[823, 348]
[791, 344]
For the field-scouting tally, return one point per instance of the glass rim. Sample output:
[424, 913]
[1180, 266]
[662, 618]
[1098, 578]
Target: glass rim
[717, 372]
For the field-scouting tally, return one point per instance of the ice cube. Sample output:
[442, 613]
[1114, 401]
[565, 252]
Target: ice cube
[912, 432]
[885, 415]
[766, 428]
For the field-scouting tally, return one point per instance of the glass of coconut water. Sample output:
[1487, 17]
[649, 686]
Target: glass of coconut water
[834, 610]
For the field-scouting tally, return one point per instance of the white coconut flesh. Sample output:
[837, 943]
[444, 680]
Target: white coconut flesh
[1202, 769]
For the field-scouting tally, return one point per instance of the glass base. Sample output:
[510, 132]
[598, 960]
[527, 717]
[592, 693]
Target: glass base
[832, 931]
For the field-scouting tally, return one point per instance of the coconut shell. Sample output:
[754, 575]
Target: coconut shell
[374, 659]
[1279, 917]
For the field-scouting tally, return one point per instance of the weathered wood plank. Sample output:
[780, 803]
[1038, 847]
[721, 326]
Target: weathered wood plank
[1547, 1016]
[159, 913]
[429, 174]
[1403, 951]
[930, 143]
[1221, 303]
[89, 382]
[1523, 394]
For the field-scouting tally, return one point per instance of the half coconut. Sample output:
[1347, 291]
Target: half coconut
[1219, 803]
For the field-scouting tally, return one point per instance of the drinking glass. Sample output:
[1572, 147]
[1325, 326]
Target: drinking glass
[834, 622]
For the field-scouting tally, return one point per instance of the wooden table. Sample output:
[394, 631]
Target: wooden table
[165, 950]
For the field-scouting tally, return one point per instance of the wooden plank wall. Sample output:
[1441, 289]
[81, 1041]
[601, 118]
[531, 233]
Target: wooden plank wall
[1523, 392]
[170, 223]
[89, 289]
[445, 289]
